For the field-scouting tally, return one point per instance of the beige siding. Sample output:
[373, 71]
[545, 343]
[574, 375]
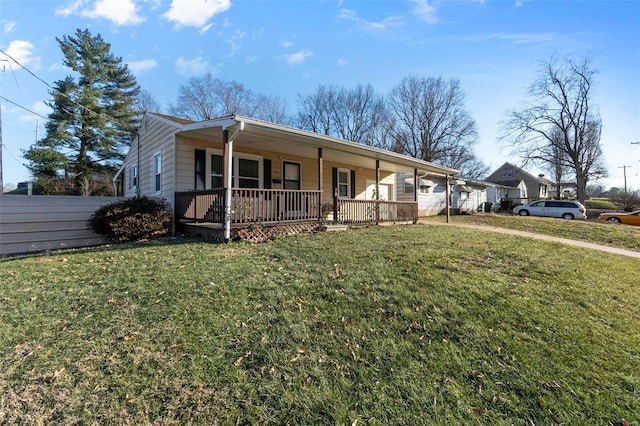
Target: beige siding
[155, 136]
[42, 222]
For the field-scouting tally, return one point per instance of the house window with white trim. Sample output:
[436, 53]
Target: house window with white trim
[157, 172]
[408, 185]
[248, 173]
[291, 175]
[344, 182]
[217, 171]
[133, 177]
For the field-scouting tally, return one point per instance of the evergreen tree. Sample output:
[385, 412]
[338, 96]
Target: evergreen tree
[93, 117]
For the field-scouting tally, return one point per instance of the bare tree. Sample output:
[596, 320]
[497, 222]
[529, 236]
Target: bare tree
[556, 162]
[357, 115]
[206, 98]
[147, 102]
[316, 110]
[432, 123]
[560, 116]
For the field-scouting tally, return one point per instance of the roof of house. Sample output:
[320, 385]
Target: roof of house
[520, 170]
[174, 119]
[270, 136]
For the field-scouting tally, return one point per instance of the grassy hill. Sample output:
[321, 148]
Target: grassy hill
[393, 325]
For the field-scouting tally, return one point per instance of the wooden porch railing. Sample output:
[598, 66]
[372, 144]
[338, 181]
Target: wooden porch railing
[248, 205]
[278, 205]
[273, 205]
[375, 211]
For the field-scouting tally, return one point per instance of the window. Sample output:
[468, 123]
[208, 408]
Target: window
[507, 174]
[408, 185]
[157, 172]
[249, 173]
[217, 169]
[291, 175]
[246, 170]
[423, 186]
[133, 177]
[344, 182]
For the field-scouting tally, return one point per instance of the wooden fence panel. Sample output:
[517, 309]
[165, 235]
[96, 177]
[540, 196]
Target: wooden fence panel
[31, 223]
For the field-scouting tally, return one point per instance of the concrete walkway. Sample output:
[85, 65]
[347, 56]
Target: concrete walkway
[614, 250]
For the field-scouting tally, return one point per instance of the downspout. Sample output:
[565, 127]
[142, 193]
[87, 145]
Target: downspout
[228, 153]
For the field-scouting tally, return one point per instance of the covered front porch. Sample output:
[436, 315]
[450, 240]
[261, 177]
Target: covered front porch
[237, 172]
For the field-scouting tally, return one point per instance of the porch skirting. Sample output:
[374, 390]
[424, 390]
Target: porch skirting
[254, 232]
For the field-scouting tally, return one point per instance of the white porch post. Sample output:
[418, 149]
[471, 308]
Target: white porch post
[227, 140]
[228, 170]
[447, 194]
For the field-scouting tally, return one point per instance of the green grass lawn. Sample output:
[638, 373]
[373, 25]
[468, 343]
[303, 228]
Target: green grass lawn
[392, 325]
[593, 231]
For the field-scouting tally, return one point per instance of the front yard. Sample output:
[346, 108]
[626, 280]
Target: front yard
[391, 325]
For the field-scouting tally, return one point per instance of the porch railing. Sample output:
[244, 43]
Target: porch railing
[248, 205]
[375, 211]
[278, 205]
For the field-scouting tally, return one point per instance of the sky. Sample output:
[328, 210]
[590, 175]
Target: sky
[288, 48]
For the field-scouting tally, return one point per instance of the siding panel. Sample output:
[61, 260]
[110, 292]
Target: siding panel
[45, 222]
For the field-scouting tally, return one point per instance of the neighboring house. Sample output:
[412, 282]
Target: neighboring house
[523, 186]
[465, 195]
[236, 171]
[431, 192]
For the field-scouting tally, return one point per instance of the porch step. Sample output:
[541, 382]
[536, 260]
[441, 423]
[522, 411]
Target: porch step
[336, 227]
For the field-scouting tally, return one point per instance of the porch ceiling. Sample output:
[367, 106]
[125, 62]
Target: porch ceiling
[260, 136]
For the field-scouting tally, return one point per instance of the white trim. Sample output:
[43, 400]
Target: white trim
[155, 173]
[348, 171]
[236, 166]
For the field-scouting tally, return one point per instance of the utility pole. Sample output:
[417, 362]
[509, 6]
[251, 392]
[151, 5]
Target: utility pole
[624, 171]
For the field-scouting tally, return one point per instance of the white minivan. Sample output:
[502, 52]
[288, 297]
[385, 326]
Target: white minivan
[553, 208]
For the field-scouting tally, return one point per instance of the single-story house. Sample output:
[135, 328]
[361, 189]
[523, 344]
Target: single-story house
[465, 195]
[524, 187]
[235, 171]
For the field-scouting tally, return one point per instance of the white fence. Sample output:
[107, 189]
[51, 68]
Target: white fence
[30, 223]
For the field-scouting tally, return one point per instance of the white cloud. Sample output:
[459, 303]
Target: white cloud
[298, 57]
[22, 52]
[70, 8]
[286, 44]
[386, 24]
[120, 12]
[234, 41]
[343, 62]
[142, 66]
[519, 3]
[191, 67]
[425, 11]
[195, 13]
[523, 38]
[7, 26]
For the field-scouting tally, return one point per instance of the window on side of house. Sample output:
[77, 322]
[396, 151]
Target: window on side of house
[133, 177]
[248, 173]
[157, 172]
[408, 185]
[344, 182]
[507, 173]
[291, 175]
[217, 170]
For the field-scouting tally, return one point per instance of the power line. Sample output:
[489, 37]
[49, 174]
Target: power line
[56, 90]
[24, 108]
